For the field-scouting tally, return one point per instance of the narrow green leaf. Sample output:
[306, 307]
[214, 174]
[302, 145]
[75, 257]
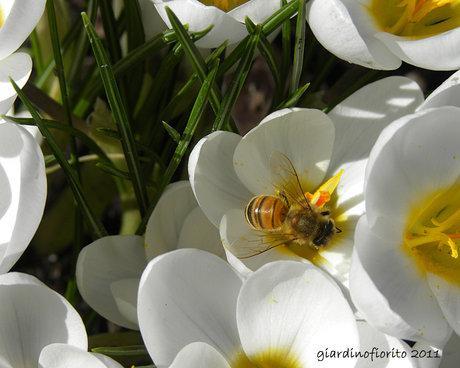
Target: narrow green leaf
[48, 69]
[37, 52]
[112, 170]
[62, 79]
[286, 46]
[268, 27]
[180, 102]
[299, 50]
[110, 29]
[119, 113]
[186, 138]
[82, 46]
[266, 50]
[173, 133]
[274, 21]
[122, 351]
[93, 222]
[195, 57]
[294, 98]
[110, 133]
[240, 77]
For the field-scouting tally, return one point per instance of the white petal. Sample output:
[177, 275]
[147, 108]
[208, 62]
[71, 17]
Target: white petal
[197, 232]
[67, 356]
[199, 355]
[165, 223]
[419, 52]
[17, 67]
[433, 357]
[390, 293]
[451, 353]
[199, 17]
[103, 262]
[257, 10]
[360, 118]
[109, 362]
[23, 194]
[296, 309]
[414, 156]
[374, 341]
[305, 136]
[448, 296]
[445, 95]
[21, 18]
[213, 178]
[125, 295]
[346, 30]
[33, 316]
[188, 296]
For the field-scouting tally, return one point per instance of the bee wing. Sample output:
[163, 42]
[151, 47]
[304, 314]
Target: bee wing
[258, 243]
[286, 180]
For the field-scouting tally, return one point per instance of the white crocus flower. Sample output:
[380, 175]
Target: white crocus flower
[18, 18]
[226, 16]
[33, 319]
[196, 312]
[109, 269]
[22, 191]
[405, 275]
[380, 33]
[227, 170]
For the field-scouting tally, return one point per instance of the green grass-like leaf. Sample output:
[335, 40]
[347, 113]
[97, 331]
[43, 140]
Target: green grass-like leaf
[195, 57]
[120, 115]
[184, 142]
[299, 49]
[240, 77]
[93, 222]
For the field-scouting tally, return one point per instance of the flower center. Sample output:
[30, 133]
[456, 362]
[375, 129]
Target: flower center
[416, 18]
[432, 236]
[225, 5]
[272, 358]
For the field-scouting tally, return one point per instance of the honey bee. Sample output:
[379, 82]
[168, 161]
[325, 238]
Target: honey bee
[290, 215]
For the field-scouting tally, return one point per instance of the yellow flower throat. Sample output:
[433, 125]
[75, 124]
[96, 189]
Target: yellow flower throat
[2, 18]
[416, 18]
[432, 236]
[271, 358]
[225, 5]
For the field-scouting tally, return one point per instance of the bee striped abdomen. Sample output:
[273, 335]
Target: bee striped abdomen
[266, 212]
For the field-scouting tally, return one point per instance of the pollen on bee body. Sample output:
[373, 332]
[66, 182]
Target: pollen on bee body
[432, 234]
[415, 18]
[225, 5]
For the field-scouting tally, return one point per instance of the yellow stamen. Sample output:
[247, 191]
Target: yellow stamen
[436, 234]
[416, 18]
[225, 5]
[432, 235]
[2, 18]
[324, 193]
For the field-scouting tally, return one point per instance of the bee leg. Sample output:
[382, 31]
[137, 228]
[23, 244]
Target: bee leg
[338, 230]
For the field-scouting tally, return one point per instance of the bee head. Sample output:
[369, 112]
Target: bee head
[325, 232]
